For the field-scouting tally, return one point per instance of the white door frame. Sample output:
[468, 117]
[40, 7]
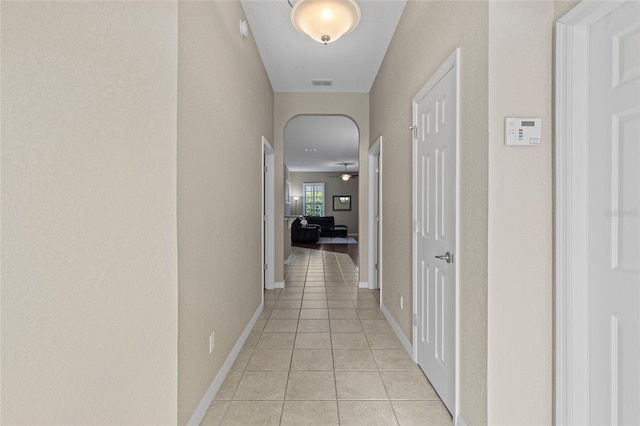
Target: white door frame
[375, 235]
[571, 258]
[452, 62]
[268, 215]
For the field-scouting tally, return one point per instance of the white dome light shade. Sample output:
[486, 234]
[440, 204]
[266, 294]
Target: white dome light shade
[325, 21]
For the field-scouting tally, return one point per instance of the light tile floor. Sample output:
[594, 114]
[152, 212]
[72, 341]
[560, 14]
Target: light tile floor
[322, 353]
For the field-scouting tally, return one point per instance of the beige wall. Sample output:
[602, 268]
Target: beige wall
[427, 34]
[333, 185]
[89, 285]
[520, 217]
[506, 287]
[564, 6]
[91, 114]
[225, 105]
[353, 105]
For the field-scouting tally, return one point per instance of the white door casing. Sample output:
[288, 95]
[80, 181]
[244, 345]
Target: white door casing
[598, 214]
[435, 118]
[268, 215]
[375, 214]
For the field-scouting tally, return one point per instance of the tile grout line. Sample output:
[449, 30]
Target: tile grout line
[333, 360]
[286, 386]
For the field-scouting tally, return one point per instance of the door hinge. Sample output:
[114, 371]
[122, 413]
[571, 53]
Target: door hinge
[264, 217]
[415, 320]
[265, 267]
[416, 226]
[265, 169]
[415, 131]
[376, 266]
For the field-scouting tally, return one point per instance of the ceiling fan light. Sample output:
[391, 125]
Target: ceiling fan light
[325, 21]
[345, 177]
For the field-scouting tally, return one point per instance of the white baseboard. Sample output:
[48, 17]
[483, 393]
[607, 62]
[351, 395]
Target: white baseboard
[207, 399]
[396, 328]
[278, 284]
[460, 421]
[290, 259]
[363, 284]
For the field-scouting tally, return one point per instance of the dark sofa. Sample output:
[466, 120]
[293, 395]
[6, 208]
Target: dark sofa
[317, 226]
[328, 227]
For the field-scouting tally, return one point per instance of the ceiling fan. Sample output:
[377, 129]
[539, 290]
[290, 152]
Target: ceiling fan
[346, 175]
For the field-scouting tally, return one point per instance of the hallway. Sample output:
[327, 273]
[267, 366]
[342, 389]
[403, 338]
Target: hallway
[322, 353]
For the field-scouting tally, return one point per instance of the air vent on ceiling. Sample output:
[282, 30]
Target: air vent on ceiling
[321, 83]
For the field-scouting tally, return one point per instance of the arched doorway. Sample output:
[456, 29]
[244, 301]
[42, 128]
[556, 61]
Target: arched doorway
[321, 178]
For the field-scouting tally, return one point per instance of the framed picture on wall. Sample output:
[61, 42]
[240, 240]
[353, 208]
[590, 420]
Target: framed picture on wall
[342, 202]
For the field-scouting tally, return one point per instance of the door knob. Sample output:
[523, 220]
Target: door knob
[447, 257]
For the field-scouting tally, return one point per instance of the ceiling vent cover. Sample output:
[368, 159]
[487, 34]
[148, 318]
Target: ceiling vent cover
[322, 83]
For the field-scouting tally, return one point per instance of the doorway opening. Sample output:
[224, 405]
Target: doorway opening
[268, 215]
[375, 215]
[321, 183]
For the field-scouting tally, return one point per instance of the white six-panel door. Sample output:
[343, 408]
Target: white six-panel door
[435, 133]
[614, 217]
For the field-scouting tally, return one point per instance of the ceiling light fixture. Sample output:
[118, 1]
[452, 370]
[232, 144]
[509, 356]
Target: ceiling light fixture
[345, 176]
[325, 21]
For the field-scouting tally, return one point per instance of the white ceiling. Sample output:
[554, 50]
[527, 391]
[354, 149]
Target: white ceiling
[292, 59]
[321, 143]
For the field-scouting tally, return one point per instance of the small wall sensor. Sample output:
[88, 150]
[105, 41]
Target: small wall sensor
[244, 28]
[522, 131]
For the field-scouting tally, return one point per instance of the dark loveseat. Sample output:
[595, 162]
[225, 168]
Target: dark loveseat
[304, 233]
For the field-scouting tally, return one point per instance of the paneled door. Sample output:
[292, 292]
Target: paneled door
[435, 135]
[614, 217]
